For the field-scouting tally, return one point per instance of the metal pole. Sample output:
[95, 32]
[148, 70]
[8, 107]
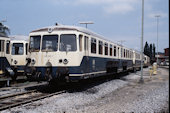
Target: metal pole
[121, 42]
[157, 17]
[141, 79]
[90, 22]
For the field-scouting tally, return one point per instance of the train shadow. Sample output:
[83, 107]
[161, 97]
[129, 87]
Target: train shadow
[80, 86]
[86, 84]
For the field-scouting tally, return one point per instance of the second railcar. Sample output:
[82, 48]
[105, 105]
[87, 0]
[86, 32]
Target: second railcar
[19, 52]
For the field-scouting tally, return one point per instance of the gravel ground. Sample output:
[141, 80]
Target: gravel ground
[119, 95]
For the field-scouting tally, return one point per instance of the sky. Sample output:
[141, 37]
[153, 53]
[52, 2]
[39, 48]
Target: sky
[117, 20]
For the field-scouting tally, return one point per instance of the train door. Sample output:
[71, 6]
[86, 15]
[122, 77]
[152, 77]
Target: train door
[2, 48]
[86, 49]
[2, 55]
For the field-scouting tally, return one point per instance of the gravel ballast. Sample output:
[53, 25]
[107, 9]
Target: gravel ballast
[118, 95]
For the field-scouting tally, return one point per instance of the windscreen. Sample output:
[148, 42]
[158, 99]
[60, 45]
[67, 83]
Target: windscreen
[68, 42]
[17, 49]
[50, 43]
[35, 43]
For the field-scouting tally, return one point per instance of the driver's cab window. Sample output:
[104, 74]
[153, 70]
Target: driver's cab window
[17, 49]
[68, 42]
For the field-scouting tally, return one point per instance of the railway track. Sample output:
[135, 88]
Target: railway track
[17, 99]
[10, 101]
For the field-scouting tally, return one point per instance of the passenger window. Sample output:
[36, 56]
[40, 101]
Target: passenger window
[1, 45]
[93, 45]
[111, 50]
[106, 48]
[80, 42]
[100, 47]
[126, 53]
[118, 51]
[121, 52]
[114, 50]
[8, 47]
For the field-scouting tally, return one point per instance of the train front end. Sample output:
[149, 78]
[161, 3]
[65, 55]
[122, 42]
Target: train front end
[18, 56]
[53, 54]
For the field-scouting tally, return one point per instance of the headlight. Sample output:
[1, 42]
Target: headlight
[33, 61]
[65, 61]
[15, 62]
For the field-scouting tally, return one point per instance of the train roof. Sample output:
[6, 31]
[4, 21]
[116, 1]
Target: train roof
[67, 28]
[74, 28]
[19, 37]
[2, 36]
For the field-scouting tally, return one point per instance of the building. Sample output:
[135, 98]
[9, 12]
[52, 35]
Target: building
[166, 51]
[163, 58]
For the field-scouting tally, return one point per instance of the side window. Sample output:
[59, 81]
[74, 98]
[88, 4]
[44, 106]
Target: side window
[93, 45]
[114, 50]
[118, 51]
[121, 52]
[100, 47]
[124, 53]
[106, 48]
[86, 46]
[26, 48]
[111, 50]
[8, 47]
[80, 42]
[1, 45]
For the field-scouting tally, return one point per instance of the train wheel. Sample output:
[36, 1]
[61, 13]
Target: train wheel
[48, 74]
[134, 70]
[14, 77]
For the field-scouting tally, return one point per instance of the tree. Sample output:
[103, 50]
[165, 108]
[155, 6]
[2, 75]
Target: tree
[154, 51]
[151, 51]
[4, 30]
[146, 49]
[151, 54]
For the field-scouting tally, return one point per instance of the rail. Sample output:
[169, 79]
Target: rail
[14, 100]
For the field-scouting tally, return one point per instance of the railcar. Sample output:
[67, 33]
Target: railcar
[146, 61]
[5, 57]
[19, 52]
[136, 60]
[72, 53]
